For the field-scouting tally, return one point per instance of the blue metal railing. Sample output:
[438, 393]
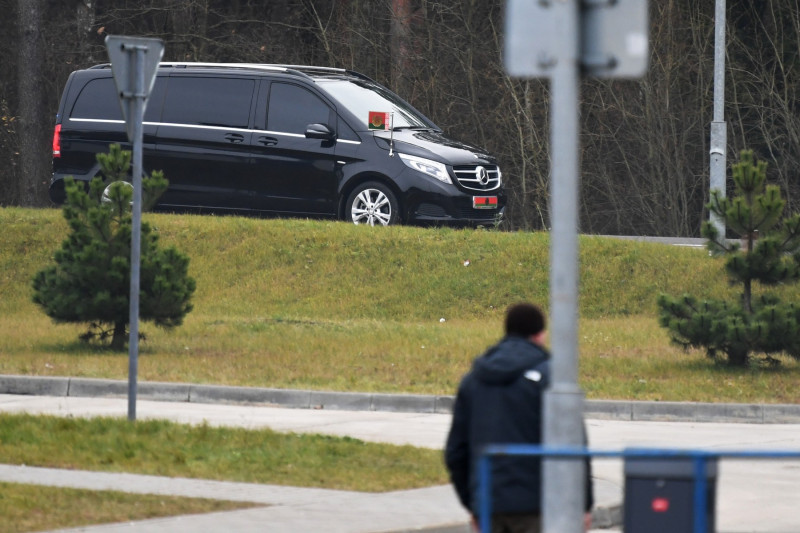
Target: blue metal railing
[699, 458]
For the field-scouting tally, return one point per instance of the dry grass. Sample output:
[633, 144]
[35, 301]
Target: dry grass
[329, 306]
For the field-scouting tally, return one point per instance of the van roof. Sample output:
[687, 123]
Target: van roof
[298, 70]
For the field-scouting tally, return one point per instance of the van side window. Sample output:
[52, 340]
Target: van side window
[223, 102]
[98, 100]
[292, 108]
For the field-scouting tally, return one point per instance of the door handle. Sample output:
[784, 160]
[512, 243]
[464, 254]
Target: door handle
[235, 138]
[268, 141]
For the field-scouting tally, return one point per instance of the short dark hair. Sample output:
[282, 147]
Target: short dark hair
[524, 320]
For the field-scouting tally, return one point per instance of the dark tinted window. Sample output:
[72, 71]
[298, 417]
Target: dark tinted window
[293, 108]
[98, 100]
[209, 101]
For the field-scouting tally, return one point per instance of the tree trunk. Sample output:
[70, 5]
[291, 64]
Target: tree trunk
[35, 153]
[120, 336]
[747, 297]
[85, 22]
[737, 358]
[401, 45]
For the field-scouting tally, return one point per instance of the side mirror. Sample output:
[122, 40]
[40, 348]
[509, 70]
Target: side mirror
[319, 131]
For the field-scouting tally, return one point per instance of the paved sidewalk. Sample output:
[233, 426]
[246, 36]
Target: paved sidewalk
[753, 496]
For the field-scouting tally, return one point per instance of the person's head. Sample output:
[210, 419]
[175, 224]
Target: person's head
[525, 320]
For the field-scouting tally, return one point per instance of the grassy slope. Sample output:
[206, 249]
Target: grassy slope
[327, 305]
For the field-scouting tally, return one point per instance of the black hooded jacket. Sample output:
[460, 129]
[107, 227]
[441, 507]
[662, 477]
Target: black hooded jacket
[500, 402]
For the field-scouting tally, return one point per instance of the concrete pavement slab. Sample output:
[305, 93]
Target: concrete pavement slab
[286, 508]
[753, 496]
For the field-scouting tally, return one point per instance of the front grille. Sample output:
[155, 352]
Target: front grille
[431, 210]
[478, 214]
[478, 177]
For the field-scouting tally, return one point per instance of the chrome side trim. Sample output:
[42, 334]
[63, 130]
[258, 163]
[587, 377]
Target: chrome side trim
[202, 127]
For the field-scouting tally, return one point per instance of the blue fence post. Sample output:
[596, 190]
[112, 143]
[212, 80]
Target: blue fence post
[485, 492]
[700, 494]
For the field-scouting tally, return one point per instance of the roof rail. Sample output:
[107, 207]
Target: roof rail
[300, 70]
[309, 68]
[258, 66]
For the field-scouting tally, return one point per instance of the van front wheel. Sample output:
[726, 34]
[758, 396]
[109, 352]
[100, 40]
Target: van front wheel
[373, 203]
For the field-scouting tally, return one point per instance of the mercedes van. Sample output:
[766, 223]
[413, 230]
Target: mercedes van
[281, 140]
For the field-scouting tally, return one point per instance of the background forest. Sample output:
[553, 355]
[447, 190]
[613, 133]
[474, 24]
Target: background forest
[644, 168]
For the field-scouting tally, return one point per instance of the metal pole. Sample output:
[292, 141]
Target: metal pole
[136, 220]
[563, 494]
[719, 130]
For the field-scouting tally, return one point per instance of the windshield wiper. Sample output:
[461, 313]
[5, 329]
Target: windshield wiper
[415, 128]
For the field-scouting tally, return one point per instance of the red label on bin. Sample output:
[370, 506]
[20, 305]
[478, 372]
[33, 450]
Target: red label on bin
[660, 505]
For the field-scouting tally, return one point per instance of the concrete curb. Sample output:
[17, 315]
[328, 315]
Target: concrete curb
[414, 403]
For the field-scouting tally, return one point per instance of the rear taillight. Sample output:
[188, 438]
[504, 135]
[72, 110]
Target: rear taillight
[57, 141]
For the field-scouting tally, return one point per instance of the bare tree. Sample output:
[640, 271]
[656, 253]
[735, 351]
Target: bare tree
[644, 142]
[34, 169]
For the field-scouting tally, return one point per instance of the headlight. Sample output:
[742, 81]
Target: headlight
[433, 169]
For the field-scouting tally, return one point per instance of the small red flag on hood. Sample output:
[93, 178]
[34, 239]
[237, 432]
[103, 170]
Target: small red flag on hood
[378, 120]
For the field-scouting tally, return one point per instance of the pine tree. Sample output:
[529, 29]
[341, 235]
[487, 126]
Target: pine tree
[90, 281]
[767, 257]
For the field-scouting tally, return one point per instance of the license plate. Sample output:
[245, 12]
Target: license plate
[484, 202]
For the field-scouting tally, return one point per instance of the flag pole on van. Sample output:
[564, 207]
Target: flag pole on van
[381, 120]
[391, 134]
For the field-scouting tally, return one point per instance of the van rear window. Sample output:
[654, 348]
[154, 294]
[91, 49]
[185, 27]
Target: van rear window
[99, 101]
[206, 101]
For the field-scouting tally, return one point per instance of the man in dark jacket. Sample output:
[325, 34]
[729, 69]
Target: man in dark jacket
[500, 402]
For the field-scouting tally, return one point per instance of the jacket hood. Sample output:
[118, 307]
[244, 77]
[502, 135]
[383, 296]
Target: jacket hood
[507, 360]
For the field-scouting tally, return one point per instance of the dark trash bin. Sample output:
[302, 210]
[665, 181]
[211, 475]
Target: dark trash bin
[659, 495]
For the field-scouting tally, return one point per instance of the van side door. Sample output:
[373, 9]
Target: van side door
[293, 173]
[203, 142]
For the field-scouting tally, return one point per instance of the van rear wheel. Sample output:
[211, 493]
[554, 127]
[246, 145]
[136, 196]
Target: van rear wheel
[374, 204]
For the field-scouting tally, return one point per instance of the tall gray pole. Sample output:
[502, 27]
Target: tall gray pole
[563, 497]
[136, 219]
[719, 131]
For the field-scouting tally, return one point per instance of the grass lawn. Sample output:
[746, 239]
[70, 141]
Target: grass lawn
[330, 306]
[26, 508]
[175, 450]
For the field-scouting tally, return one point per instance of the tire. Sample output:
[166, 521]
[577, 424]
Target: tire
[372, 203]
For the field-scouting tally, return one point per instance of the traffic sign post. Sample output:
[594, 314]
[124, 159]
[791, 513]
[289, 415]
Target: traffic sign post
[611, 37]
[134, 61]
[560, 40]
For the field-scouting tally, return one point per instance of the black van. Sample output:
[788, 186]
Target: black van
[283, 140]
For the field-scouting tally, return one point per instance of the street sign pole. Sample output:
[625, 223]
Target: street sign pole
[558, 39]
[563, 401]
[136, 231]
[134, 61]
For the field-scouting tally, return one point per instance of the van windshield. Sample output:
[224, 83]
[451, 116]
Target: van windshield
[360, 97]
